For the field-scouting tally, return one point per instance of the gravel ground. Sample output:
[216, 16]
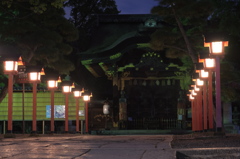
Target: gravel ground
[206, 146]
[205, 140]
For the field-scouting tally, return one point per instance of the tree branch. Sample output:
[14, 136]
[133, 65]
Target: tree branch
[189, 47]
[175, 47]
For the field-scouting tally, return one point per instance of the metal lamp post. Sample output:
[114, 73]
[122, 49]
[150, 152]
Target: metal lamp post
[52, 86]
[34, 75]
[10, 68]
[86, 98]
[77, 92]
[216, 44]
[66, 89]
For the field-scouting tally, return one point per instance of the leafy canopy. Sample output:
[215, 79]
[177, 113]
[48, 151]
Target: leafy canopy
[185, 23]
[43, 37]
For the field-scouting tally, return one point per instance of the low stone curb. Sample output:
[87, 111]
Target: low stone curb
[209, 153]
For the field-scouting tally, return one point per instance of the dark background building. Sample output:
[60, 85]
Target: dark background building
[125, 67]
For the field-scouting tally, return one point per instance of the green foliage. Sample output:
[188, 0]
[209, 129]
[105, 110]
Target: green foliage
[36, 6]
[230, 77]
[187, 63]
[82, 10]
[58, 3]
[226, 16]
[197, 17]
[186, 69]
[82, 17]
[193, 16]
[185, 82]
[44, 39]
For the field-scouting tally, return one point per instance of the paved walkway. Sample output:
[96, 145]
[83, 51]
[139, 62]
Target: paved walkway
[88, 147]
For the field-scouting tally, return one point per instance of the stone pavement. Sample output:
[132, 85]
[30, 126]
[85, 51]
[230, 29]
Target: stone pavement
[88, 147]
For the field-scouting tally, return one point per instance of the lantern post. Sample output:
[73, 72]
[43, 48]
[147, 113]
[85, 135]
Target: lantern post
[34, 75]
[10, 69]
[77, 92]
[52, 83]
[209, 65]
[86, 98]
[216, 44]
[66, 89]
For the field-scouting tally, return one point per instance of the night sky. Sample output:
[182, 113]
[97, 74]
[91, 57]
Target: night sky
[130, 6]
[136, 6]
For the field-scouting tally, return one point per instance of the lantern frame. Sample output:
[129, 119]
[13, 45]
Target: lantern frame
[193, 93]
[196, 88]
[209, 63]
[203, 74]
[216, 43]
[34, 74]
[34, 77]
[66, 87]
[52, 84]
[77, 92]
[199, 82]
[10, 67]
[191, 97]
[86, 96]
[106, 107]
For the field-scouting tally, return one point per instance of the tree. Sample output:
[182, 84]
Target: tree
[82, 10]
[40, 31]
[186, 22]
[181, 35]
[43, 38]
[35, 6]
[83, 16]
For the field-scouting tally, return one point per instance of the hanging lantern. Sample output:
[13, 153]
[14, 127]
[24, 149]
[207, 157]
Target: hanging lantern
[106, 108]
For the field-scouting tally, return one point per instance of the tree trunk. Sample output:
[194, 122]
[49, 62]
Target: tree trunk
[188, 44]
